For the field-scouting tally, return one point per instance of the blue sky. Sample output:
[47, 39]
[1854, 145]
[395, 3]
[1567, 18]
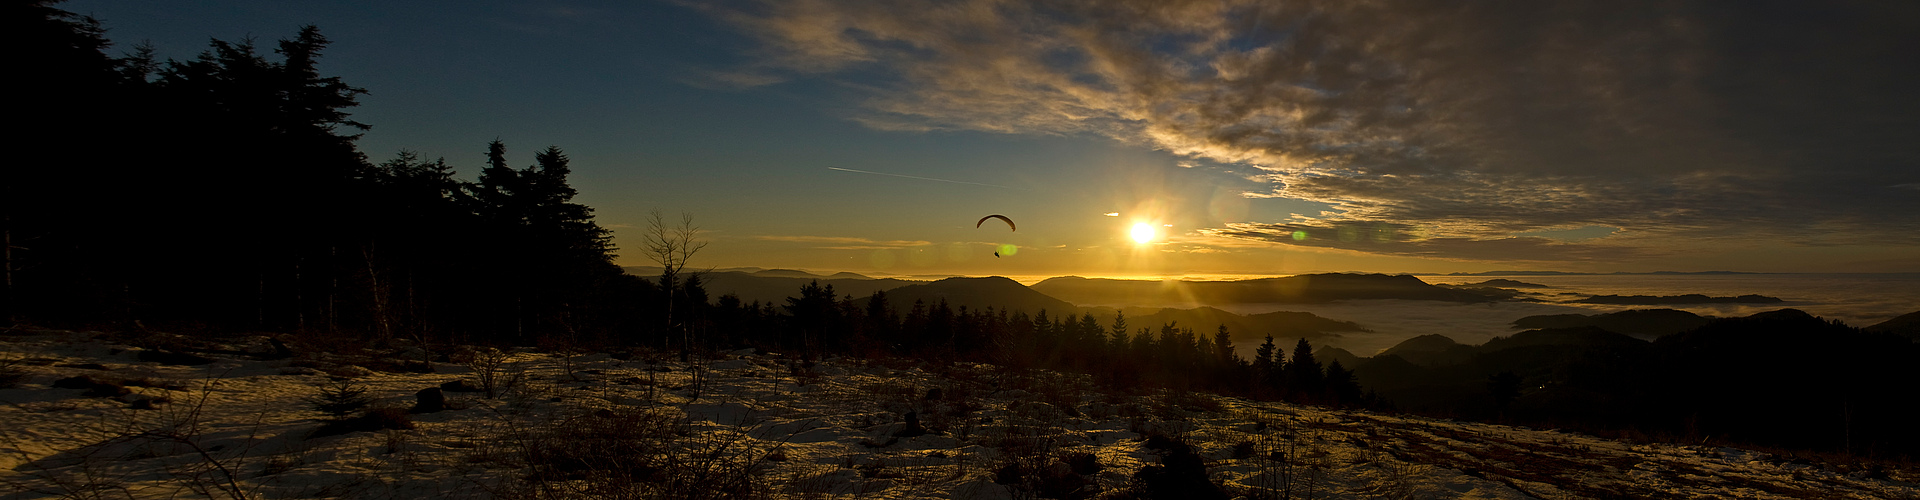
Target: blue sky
[1668, 136]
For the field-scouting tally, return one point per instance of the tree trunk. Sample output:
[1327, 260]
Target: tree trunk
[6, 261]
[333, 287]
[378, 295]
[299, 301]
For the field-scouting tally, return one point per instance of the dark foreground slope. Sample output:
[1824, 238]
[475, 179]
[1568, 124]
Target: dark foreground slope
[754, 425]
[1781, 378]
[1907, 325]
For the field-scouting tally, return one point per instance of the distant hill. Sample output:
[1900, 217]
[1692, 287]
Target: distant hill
[1521, 273]
[1581, 337]
[1907, 325]
[787, 273]
[654, 271]
[1691, 298]
[974, 294]
[1507, 283]
[1646, 322]
[1326, 355]
[1306, 288]
[1491, 292]
[1431, 350]
[1564, 273]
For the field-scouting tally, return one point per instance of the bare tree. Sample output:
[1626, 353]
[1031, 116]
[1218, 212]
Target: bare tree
[671, 247]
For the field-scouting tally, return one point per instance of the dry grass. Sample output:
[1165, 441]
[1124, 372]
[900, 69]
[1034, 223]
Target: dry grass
[632, 453]
[11, 374]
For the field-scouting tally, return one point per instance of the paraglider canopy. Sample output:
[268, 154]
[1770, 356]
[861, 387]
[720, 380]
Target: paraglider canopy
[983, 220]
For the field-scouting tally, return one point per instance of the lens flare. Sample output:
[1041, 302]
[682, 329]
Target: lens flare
[1143, 232]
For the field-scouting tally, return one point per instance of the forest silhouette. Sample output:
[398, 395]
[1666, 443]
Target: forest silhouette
[224, 194]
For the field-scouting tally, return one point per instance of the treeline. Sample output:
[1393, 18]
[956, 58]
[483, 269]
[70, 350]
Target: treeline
[225, 193]
[817, 323]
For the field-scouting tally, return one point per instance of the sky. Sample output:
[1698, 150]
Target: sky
[1252, 137]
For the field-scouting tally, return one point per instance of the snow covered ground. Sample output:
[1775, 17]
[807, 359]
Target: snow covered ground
[771, 427]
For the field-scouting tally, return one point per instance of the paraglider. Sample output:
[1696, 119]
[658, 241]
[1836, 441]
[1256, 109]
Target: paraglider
[983, 220]
[1010, 227]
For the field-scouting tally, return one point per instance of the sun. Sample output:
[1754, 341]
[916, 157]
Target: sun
[1142, 232]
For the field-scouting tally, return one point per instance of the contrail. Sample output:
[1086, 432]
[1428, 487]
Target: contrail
[919, 177]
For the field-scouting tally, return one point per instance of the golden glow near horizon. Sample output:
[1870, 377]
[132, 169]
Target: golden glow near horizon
[1143, 232]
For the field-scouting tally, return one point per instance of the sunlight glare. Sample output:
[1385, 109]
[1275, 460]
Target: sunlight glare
[1142, 232]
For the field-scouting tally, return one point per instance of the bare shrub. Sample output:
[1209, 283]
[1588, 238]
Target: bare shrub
[524, 395]
[486, 363]
[396, 442]
[700, 366]
[563, 347]
[1288, 462]
[635, 453]
[804, 373]
[1181, 473]
[1064, 475]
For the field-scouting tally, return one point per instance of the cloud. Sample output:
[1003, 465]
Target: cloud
[1574, 233]
[846, 243]
[1404, 240]
[735, 79]
[1716, 120]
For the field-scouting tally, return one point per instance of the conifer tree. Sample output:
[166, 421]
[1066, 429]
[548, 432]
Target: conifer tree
[315, 103]
[1266, 368]
[1223, 346]
[72, 99]
[1304, 376]
[882, 323]
[914, 328]
[1342, 386]
[1092, 340]
[813, 314]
